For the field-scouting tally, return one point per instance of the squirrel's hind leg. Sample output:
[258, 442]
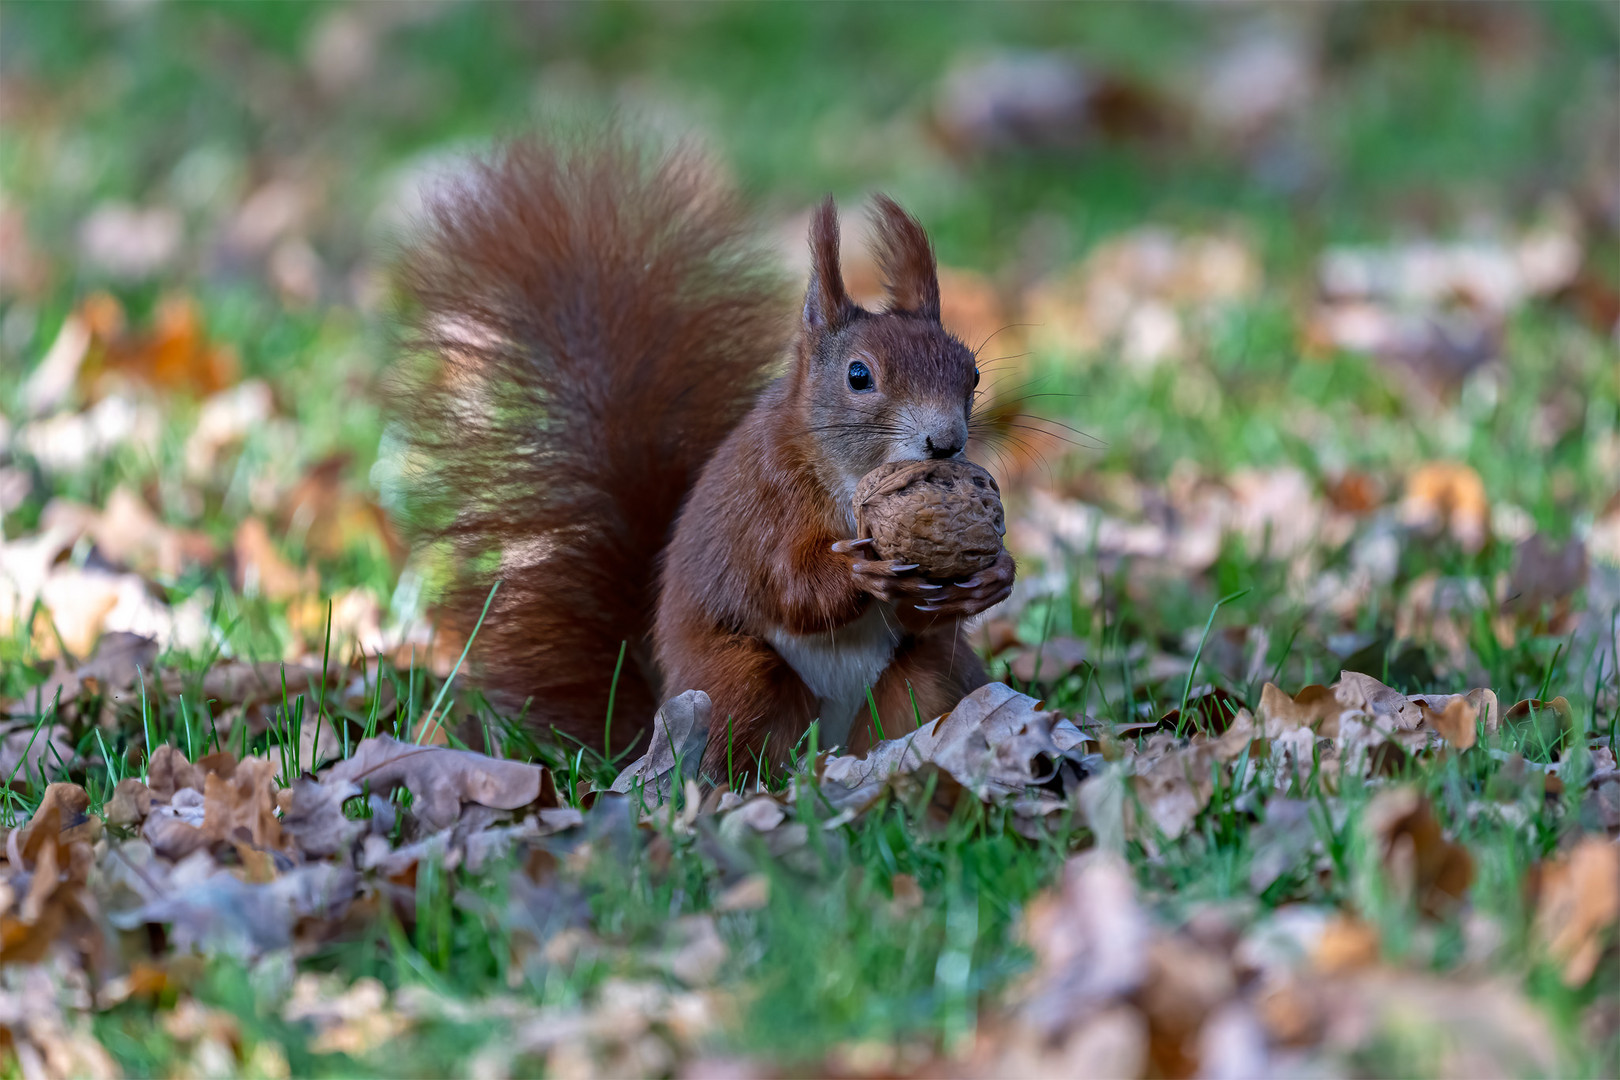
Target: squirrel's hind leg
[936, 669]
[761, 707]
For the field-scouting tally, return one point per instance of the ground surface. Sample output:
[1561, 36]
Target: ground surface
[1318, 308]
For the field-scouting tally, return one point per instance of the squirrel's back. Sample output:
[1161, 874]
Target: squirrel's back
[590, 322]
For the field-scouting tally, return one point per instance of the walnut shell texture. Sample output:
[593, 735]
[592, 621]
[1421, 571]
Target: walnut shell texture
[945, 516]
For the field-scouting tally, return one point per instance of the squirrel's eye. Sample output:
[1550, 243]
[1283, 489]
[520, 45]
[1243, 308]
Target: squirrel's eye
[975, 377]
[860, 376]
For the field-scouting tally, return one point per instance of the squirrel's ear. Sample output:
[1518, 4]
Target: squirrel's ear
[907, 260]
[826, 305]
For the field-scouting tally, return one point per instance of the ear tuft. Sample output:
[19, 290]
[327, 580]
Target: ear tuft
[907, 258]
[826, 305]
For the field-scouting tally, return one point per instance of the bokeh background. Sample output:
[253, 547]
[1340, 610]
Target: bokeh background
[1318, 300]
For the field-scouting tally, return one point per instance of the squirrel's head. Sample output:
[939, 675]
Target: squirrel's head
[890, 385]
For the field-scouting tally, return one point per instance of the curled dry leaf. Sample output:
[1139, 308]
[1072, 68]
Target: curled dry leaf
[48, 864]
[313, 816]
[1315, 707]
[169, 770]
[1455, 722]
[680, 732]
[1172, 783]
[113, 670]
[1578, 903]
[1448, 496]
[130, 803]
[1365, 694]
[995, 743]
[210, 908]
[348, 1018]
[127, 533]
[442, 780]
[261, 569]
[1419, 861]
[1091, 940]
[43, 1038]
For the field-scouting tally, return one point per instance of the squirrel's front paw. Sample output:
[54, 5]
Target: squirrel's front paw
[886, 579]
[982, 591]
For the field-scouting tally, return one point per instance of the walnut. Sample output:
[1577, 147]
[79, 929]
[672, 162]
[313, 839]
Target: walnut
[945, 516]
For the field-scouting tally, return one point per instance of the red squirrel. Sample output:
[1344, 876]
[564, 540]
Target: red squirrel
[591, 417]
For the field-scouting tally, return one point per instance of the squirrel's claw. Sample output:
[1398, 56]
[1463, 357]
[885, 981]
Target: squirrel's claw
[846, 547]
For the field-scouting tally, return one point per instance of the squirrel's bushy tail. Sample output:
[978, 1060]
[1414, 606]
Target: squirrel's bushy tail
[590, 322]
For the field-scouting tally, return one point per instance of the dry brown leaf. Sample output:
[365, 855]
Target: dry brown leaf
[1448, 496]
[69, 825]
[261, 569]
[209, 908]
[351, 1018]
[127, 533]
[1366, 694]
[996, 743]
[332, 517]
[750, 894]
[442, 780]
[1578, 903]
[1185, 984]
[1421, 863]
[1316, 707]
[169, 770]
[1090, 938]
[1172, 783]
[174, 355]
[241, 805]
[1049, 661]
[1346, 944]
[680, 732]
[1475, 1028]
[313, 816]
[1480, 702]
[130, 803]
[1455, 722]
[55, 846]
[695, 953]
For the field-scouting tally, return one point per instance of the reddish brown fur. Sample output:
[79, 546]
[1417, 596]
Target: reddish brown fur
[624, 318]
[595, 321]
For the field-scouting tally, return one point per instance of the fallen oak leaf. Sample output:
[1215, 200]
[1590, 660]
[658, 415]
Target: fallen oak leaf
[313, 818]
[243, 802]
[1366, 694]
[1419, 861]
[1578, 899]
[1090, 938]
[1315, 707]
[1455, 722]
[208, 907]
[261, 569]
[441, 780]
[995, 743]
[130, 803]
[169, 770]
[1480, 702]
[680, 733]
[1172, 784]
[1050, 661]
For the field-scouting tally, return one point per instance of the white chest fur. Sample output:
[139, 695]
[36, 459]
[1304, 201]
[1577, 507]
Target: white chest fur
[840, 665]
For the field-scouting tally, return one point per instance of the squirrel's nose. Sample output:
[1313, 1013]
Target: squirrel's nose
[939, 450]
